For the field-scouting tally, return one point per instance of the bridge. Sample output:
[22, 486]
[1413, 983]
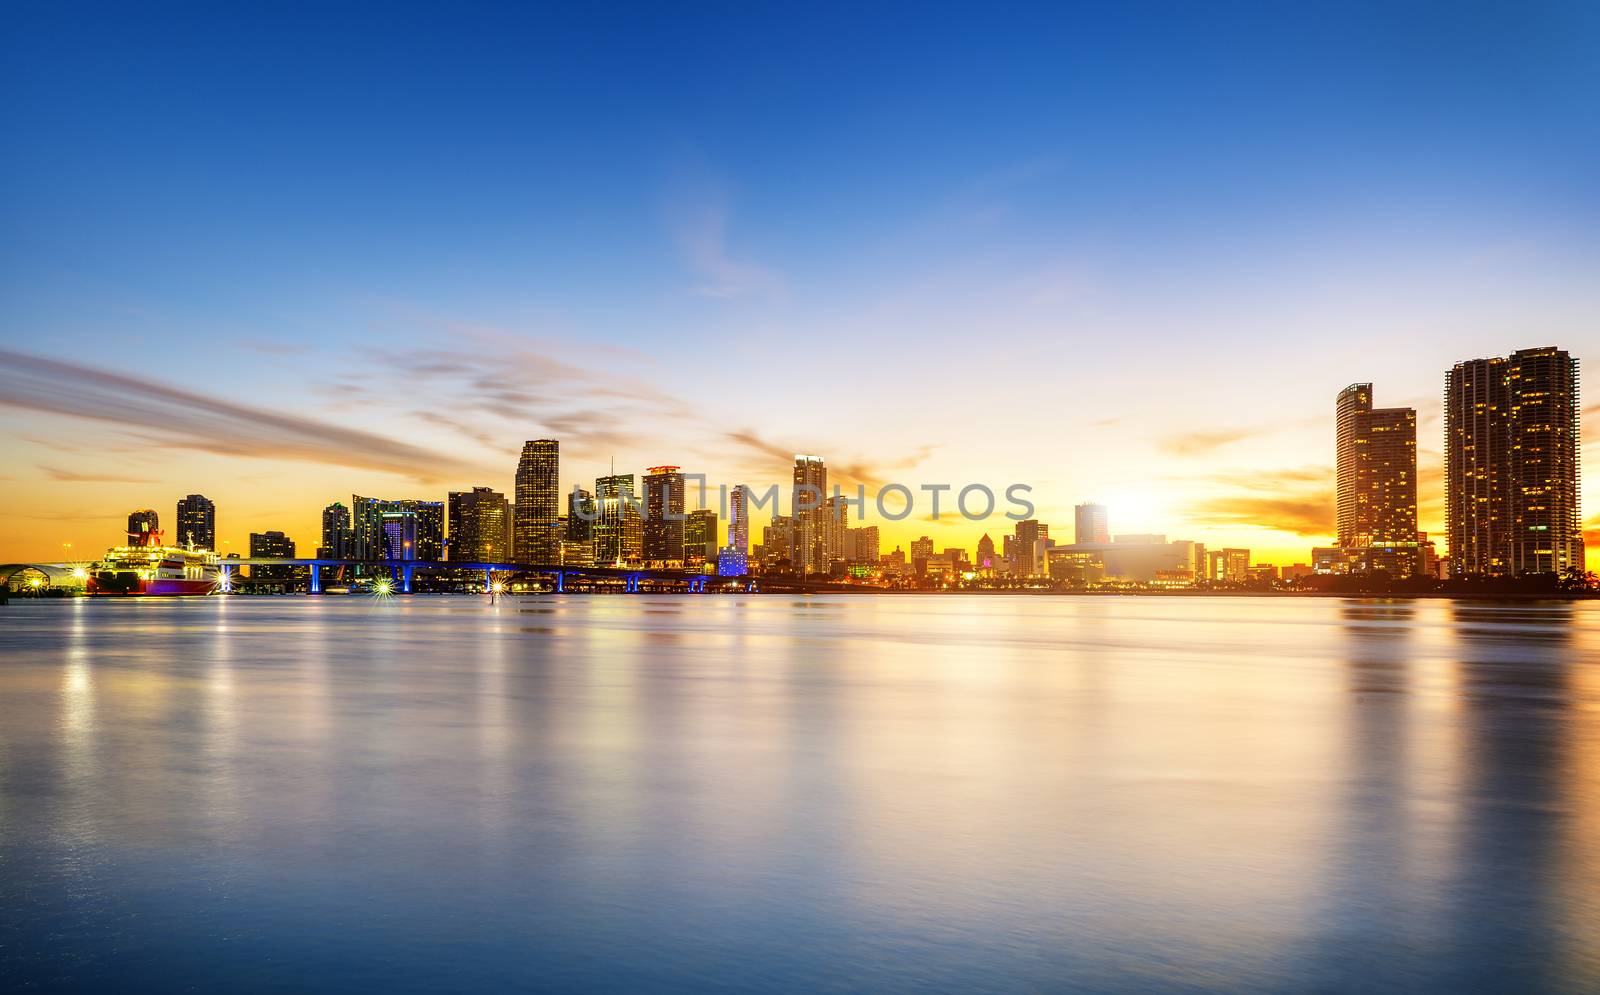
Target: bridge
[403, 573]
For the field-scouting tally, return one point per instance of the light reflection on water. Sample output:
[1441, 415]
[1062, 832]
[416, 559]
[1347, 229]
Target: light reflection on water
[693, 793]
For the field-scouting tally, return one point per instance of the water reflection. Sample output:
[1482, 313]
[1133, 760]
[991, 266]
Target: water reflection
[874, 793]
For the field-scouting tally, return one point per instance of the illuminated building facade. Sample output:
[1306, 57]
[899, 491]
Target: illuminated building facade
[663, 518]
[1512, 449]
[372, 542]
[618, 531]
[921, 553]
[809, 548]
[197, 522]
[1376, 480]
[275, 545]
[863, 545]
[537, 525]
[1546, 533]
[777, 540]
[338, 542]
[699, 539]
[480, 526]
[738, 520]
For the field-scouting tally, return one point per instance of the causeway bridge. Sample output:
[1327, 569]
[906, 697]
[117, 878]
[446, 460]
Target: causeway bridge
[404, 572]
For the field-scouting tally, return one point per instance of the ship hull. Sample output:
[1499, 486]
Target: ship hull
[153, 588]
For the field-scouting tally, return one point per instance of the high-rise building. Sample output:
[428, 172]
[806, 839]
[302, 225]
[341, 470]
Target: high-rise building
[581, 514]
[197, 522]
[921, 553]
[1511, 464]
[1090, 524]
[1026, 544]
[1546, 529]
[618, 531]
[1477, 467]
[862, 545]
[663, 516]
[809, 551]
[275, 545]
[986, 557]
[838, 524]
[738, 521]
[479, 526]
[1230, 566]
[699, 538]
[338, 542]
[778, 540]
[371, 540]
[144, 528]
[538, 502]
[1376, 485]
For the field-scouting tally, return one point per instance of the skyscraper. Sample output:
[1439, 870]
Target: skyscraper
[699, 538]
[1025, 545]
[663, 518]
[1090, 524]
[809, 553]
[337, 541]
[738, 521]
[479, 521]
[538, 498]
[1376, 486]
[921, 553]
[581, 514]
[1512, 449]
[197, 522]
[1477, 467]
[618, 532]
[275, 545]
[144, 528]
[373, 542]
[1546, 530]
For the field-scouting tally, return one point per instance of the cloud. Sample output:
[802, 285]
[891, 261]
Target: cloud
[1199, 443]
[1305, 514]
[700, 227]
[70, 476]
[182, 420]
[1296, 499]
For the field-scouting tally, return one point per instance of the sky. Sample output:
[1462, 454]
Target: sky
[1116, 252]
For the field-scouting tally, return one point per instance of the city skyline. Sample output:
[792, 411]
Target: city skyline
[1513, 489]
[938, 269]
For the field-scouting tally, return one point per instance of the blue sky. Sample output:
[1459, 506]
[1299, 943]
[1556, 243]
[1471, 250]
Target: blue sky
[957, 243]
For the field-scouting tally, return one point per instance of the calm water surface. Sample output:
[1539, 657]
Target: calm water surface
[713, 793]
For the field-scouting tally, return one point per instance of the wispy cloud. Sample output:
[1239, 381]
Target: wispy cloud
[180, 419]
[1200, 443]
[69, 476]
[1298, 500]
[699, 222]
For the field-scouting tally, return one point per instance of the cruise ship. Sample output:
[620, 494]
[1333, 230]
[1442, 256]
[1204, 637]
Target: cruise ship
[153, 569]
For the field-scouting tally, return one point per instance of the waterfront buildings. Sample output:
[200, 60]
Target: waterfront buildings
[378, 533]
[663, 538]
[1090, 524]
[537, 516]
[809, 546]
[197, 522]
[275, 545]
[480, 526]
[921, 553]
[862, 544]
[1375, 483]
[1376, 473]
[618, 531]
[1512, 446]
[338, 541]
[1025, 546]
[699, 539]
